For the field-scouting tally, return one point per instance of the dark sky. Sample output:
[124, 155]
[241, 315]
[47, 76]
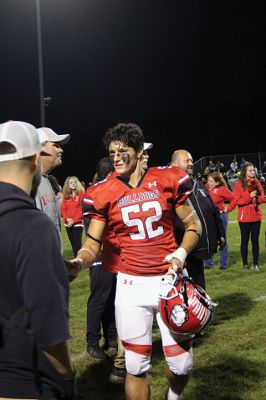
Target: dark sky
[191, 73]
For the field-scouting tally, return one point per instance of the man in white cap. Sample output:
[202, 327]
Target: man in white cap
[45, 197]
[145, 157]
[34, 290]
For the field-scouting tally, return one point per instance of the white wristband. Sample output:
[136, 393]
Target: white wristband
[180, 254]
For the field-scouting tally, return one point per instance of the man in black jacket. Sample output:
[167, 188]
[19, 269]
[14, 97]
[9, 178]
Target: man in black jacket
[213, 234]
[34, 290]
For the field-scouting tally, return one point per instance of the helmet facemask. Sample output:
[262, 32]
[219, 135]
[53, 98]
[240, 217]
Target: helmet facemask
[185, 308]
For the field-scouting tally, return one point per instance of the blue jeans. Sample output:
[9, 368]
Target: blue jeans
[224, 253]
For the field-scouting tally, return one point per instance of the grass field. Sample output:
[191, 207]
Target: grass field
[230, 359]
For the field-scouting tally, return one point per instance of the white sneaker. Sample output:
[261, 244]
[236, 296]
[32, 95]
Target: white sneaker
[256, 268]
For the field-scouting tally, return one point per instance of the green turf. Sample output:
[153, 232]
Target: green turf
[230, 359]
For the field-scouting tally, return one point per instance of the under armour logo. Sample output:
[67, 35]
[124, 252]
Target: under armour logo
[154, 183]
[126, 282]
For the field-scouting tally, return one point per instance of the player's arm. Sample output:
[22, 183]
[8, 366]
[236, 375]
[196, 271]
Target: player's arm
[93, 243]
[89, 250]
[186, 213]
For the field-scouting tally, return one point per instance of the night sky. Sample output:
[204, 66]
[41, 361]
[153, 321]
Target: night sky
[190, 73]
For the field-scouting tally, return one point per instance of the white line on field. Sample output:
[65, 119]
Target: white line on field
[261, 298]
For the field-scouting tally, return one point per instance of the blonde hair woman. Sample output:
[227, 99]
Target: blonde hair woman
[71, 211]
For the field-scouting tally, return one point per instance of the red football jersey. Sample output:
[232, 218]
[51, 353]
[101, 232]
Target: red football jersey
[142, 217]
[110, 255]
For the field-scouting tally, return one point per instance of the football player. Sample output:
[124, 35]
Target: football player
[139, 207]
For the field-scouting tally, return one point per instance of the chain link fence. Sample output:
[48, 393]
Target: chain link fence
[256, 158]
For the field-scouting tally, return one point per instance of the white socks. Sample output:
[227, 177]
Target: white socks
[173, 396]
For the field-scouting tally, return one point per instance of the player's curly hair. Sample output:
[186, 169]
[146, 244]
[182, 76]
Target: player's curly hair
[128, 133]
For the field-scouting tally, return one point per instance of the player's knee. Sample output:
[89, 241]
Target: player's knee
[182, 364]
[137, 364]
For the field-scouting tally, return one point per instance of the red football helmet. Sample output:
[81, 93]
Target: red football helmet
[185, 308]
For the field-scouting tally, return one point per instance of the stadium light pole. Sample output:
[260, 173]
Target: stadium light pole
[40, 61]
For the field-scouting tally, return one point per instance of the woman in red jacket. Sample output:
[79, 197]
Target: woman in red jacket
[248, 193]
[71, 211]
[220, 194]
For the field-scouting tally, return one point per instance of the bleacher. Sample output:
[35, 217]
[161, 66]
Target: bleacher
[256, 158]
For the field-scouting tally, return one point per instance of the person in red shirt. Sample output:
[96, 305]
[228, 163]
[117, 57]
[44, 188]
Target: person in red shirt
[220, 194]
[71, 211]
[248, 195]
[140, 209]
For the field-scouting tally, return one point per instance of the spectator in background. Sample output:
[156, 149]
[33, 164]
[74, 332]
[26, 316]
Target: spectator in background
[212, 227]
[84, 184]
[262, 181]
[231, 180]
[34, 352]
[100, 305]
[211, 167]
[243, 162]
[234, 166]
[55, 184]
[220, 194]
[145, 157]
[205, 174]
[57, 191]
[223, 169]
[45, 198]
[263, 169]
[248, 195]
[71, 211]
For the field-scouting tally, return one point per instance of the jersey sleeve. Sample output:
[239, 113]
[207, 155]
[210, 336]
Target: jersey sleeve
[183, 185]
[93, 205]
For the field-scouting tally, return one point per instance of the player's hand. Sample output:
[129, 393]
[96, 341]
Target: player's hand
[73, 268]
[176, 266]
[177, 260]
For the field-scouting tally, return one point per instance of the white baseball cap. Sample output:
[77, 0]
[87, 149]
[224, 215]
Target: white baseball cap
[147, 146]
[23, 137]
[48, 135]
